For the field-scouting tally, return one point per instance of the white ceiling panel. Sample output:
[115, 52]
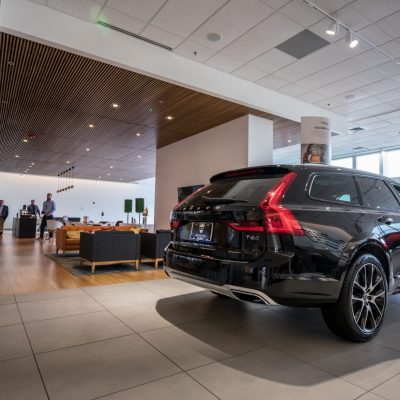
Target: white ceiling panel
[301, 13]
[206, 7]
[293, 89]
[228, 34]
[374, 34]
[121, 20]
[40, 1]
[330, 103]
[275, 4]
[272, 60]
[380, 109]
[355, 116]
[391, 24]
[376, 10]
[223, 62]
[346, 68]
[275, 29]
[295, 71]
[365, 103]
[364, 78]
[161, 36]
[371, 58]
[333, 89]
[194, 51]
[87, 10]
[143, 10]
[246, 48]
[249, 73]
[351, 17]
[243, 15]
[273, 82]
[395, 103]
[380, 87]
[311, 97]
[392, 48]
[179, 18]
[330, 6]
[390, 69]
[344, 110]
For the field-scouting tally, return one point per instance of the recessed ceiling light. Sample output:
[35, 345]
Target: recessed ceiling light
[87, 149]
[68, 162]
[169, 117]
[115, 105]
[214, 37]
[139, 156]
[17, 156]
[33, 163]
[289, 141]
[111, 167]
[91, 125]
[108, 174]
[25, 140]
[99, 177]
[11, 63]
[138, 134]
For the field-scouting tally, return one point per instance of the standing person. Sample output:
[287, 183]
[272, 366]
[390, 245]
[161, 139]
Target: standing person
[33, 209]
[145, 215]
[3, 215]
[49, 206]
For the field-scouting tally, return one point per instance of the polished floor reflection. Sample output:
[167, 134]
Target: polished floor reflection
[163, 339]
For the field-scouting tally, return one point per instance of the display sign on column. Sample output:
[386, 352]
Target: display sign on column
[315, 138]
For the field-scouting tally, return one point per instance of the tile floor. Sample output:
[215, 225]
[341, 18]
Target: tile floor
[169, 340]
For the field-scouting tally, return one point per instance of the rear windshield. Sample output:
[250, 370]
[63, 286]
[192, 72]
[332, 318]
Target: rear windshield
[250, 191]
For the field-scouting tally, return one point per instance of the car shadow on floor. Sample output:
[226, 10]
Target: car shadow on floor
[278, 343]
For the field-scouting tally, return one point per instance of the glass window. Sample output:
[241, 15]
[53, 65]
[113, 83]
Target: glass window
[335, 187]
[392, 164]
[369, 163]
[343, 162]
[376, 194]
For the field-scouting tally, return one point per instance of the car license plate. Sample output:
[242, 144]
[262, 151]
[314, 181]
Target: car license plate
[201, 231]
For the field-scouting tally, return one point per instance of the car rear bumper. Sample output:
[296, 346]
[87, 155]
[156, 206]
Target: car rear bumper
[258, 281]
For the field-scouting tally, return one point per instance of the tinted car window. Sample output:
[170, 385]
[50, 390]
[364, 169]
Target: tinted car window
[335, 187]
[252, 190]
[376, 194]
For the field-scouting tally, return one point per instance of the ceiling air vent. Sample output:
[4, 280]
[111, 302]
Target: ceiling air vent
[115, 28]
[356, 129]
[302, 44]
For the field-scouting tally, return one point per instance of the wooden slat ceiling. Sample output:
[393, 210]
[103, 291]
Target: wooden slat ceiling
[50, 96]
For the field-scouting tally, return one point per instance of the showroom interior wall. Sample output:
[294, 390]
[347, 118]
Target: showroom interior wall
[194, 160]
[87, 198]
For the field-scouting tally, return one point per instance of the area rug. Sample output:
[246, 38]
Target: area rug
[71, 263]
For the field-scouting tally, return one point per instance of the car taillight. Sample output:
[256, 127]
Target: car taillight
[175, 223]
[279, 219]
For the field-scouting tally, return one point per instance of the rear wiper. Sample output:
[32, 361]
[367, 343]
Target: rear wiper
[222, 200]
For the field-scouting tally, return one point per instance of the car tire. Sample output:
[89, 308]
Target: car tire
[359, 312]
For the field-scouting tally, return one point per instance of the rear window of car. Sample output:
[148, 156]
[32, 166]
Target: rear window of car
[337, 188]
[251, 190]
[377, 195]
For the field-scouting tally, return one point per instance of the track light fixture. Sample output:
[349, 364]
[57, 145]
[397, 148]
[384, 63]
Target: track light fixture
[333, 28]
[350, 41]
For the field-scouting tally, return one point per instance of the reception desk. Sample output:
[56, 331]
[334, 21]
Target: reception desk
[24, 227]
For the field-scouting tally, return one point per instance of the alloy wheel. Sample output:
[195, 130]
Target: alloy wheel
[368, 297]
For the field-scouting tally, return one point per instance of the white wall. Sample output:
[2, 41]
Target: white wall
[87, 198]
[194, 160]
[260, 141]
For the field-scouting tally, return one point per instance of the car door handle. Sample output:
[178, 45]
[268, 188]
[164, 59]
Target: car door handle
[386, 220]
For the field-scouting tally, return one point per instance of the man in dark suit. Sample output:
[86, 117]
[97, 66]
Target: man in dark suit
[3, 215]
[33, 209]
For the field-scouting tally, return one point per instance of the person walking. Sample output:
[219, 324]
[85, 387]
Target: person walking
[33, 209]
[3, 215]
[49, 206]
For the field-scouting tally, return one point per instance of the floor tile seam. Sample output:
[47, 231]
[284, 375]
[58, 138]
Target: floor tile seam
[16, 358]
[50, 299]
[62, 316]
[361, 395]
[84, 344]
[5, 326]
[203, 386]
[33, 355]
[137, 386]
[382, 383]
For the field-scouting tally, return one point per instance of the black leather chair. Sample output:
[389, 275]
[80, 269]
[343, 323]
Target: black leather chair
[109, 247]
[152, 245]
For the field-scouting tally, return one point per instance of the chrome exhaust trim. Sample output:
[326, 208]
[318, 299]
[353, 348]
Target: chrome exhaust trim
[235, 292]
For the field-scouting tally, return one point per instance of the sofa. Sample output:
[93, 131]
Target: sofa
[152, 245]
[109, 247]
[68, 237]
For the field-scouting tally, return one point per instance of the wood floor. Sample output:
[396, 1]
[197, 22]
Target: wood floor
[25, 268]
